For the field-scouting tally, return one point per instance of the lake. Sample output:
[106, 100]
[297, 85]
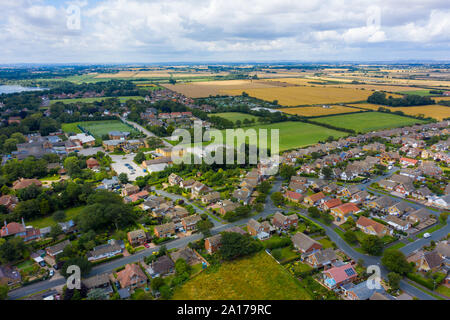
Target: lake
[16, 88]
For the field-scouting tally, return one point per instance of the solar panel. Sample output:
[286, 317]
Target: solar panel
[349, 272]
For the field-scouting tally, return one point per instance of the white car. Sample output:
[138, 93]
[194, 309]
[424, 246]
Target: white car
[426, 235]
[52, 273]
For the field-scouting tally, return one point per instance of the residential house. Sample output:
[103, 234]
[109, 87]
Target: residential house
[314, 198]
[190, 222]
[211, 197]
[100, 281]
[406, 162]
[199, 189]
[361, 291]
[111, 249]
[304, 244]
[212, 244]
[322, 258]
[137, 237]
[339, 275]
[56, 249]
[282, 222]
[360, 197]
[132, 277]
[328, 205]
[242, 195]
[259, 230]
[129, 189]
[398, 223]
[430, 261]
[9, 201]
[25, 183]
[419, 216]
[174, 180]
[165, 230]
[92, 163]
[400, 208]
[369, 226]
[161, 267]
[422, 193]
[382, 203]
[293, 196]
[341, 213]
[187, 254]
[227, 206]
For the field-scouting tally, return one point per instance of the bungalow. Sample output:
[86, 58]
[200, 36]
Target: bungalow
[338, 276]
[297, 187]
[322, 258]
[242, 195]
[9, 201]
[293, 196]
[227, 206]
[161, 267]
[422, 193]
[382, 203]
[165, 230]
[330, 188]
[100, 281]
[314, 198]
[282, 222]
[430, 261]
[398, 223]
[132, 277]
[340, 213]
[404, 189]
[347, 192]
[387, 184]
[361, 291]
[25, 183]
[137, 237]
[360, 197]
[419, 216]
[190, 222]
[368, 226]
[187, 254]
[105, 251]
[304, 244]
[399, 208]
[56, 249]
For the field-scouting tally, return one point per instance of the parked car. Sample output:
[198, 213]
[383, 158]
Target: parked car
[52, 273]
[426, 235]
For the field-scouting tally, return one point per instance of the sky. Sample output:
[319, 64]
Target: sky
[158, 31]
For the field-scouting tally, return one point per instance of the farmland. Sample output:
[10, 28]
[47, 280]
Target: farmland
[296, 96]
[137, 74]
[297, 134]
[235, 116]
[368, 121]
[97, 128]
[254, 278]
[213, 88]
[90, 100]
[437, 112]
[318, 110]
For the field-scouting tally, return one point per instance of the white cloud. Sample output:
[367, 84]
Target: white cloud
[183, 30]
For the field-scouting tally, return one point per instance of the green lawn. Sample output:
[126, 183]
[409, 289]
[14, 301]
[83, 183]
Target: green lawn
[48, 221]
[444, 290]
[396, 246]
[97, 128]
[258, 277]
[295, 134]
[368, 121]
[326, 243]
[90, 100]
[235, 116]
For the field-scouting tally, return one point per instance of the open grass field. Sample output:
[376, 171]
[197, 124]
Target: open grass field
[295, 134]
[297, 96]
[435, 111]
[317, 110]
[97, 128]
[48, 221]
[157, 74]
[255, 278]
[213, 88]
[235, 116]
[368, 121]
[422, 93]
[90, 100]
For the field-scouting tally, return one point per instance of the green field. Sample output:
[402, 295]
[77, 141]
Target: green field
[256, 278]
[235, 116]
[48, 221]
[368, 121]
[97, 128]
[90, 100]
[296, 134]
[422, 93]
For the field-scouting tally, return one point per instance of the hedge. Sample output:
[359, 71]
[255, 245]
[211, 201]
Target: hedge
[427, 283]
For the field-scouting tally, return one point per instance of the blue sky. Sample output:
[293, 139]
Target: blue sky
[121, 31]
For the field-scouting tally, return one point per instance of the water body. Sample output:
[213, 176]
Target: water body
[16, 88]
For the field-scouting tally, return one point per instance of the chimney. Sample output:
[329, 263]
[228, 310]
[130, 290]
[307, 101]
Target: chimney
[23, 222]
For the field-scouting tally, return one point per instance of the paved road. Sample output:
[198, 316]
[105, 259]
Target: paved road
[145, 131]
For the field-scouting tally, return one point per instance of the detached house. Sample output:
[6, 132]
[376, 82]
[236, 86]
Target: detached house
[398, 223]
[190, 222]
[260, 230]
[165, 230]
[400, 208]
[314, 198]
[338, 276]
[282, 222]
[322, 258]
[341, 213]
[132, 277]
[304, 244]
[137, 237]
[174, 180]
[293, 196]
[368, 226]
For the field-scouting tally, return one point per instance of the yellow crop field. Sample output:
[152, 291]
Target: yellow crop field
[295, 96]
[318, 110]
[441, 99]
[437, 112]
[434, 111]
[207, 88]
